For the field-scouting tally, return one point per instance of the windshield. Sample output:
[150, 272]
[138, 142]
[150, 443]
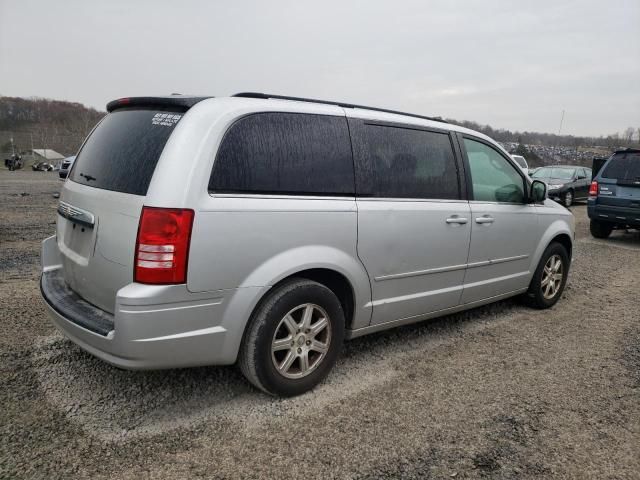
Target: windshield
[554, 172]
[122, 152]
[624, 166]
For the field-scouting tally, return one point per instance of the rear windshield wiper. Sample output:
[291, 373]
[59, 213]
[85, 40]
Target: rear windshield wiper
[88, 177]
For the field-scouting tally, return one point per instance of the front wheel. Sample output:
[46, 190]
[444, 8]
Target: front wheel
[567, 198]
[550, 277]
[293, 339]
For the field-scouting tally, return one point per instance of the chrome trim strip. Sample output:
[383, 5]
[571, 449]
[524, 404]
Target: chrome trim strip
[497, 260]
[76, 215]
[451, 268]
[192, 333]
[428, 271]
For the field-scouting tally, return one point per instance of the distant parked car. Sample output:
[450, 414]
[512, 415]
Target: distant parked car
[522, 163]
[567, 183]
[67, 163]
[42, 167]
[14, 162]
[614, 195]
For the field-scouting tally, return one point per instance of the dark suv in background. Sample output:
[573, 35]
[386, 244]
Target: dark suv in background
[614, 195]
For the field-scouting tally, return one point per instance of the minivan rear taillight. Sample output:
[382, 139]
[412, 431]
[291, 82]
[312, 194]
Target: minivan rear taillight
[593, 189]
[162, 246]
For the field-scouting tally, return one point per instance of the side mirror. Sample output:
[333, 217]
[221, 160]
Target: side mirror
[581, 177]
[538, 193]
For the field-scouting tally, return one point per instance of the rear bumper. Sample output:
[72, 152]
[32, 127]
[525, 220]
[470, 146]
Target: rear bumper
[152, 327]
[613, 214]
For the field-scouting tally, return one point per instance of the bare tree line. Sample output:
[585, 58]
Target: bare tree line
[62, 126]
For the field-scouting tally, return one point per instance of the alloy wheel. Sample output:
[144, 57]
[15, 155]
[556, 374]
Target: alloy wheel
[301, 341]
[552, 277]
[568, 199]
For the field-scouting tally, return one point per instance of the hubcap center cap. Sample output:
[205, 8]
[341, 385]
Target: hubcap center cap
[301, 340]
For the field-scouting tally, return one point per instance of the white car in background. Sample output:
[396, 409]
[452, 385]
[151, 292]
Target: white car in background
[522, 163]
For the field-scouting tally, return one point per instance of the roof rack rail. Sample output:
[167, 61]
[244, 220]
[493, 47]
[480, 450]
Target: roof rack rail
[339, 104]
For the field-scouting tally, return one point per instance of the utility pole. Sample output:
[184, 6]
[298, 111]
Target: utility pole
[559, 130]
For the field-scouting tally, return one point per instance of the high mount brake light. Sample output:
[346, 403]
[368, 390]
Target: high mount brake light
[162, 245]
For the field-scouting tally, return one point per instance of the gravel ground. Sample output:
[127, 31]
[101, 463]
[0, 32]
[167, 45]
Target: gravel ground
[498, 392]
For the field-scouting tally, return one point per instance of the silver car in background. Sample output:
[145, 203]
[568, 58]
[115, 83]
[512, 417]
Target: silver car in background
[521, 162]
[265, 230]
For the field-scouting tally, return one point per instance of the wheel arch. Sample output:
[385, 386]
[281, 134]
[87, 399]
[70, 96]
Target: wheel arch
[558, 231]
[339, 271]
[565, 240]
[334, 280]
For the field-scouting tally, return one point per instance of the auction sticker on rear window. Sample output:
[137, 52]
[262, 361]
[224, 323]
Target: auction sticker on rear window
[165, 119]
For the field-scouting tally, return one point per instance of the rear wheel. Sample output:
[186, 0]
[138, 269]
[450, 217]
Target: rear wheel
[550, 277]
[567, 198]
[600, 229]
[293, 338]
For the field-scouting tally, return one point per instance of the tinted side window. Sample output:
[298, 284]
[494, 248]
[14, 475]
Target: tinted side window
[292, 153]
[623, 166]
[494, 178]
[122, 152]
[398, 162]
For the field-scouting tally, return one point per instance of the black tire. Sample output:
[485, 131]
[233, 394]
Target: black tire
[600, 229]
[535, 297]
[255, 356]
[568, 198]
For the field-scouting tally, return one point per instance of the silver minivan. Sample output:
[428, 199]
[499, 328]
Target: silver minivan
[264, 230]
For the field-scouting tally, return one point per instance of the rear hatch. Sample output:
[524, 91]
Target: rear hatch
[619, 182]
[101, 203]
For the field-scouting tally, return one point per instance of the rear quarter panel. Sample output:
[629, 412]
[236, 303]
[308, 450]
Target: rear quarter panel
[241, 242]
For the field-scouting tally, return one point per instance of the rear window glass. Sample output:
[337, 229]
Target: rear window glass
[624, 166]
[292, 153]
[122, 152]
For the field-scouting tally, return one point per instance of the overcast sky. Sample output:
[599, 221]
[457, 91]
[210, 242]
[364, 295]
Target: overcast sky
[510, 64]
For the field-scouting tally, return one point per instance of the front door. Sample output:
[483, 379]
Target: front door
[413, 224]
[503, 225]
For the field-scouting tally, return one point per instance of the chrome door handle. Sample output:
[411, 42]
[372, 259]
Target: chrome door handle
[459, 220]
[484, 219]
